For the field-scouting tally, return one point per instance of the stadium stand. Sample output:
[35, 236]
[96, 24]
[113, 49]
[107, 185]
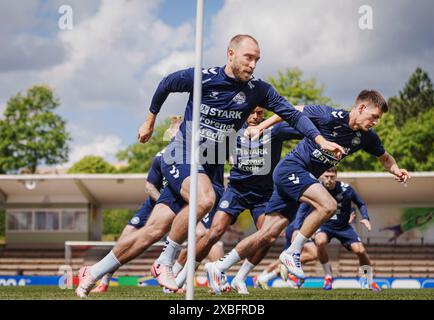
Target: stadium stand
[388, 260]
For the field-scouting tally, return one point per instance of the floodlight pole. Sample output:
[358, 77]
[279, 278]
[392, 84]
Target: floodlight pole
[197, 98]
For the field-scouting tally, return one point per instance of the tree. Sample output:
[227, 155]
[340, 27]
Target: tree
[92, 164]
[140, 156]
[298, 91]
[416, 97]
[413, 146]
[31, 133]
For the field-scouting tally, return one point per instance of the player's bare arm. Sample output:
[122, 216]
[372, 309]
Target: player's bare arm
[389, 164]
[152, 191]
[147, 128]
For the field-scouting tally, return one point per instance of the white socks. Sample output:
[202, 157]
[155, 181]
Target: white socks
[327, 270]
[244, 270]
[171, 249]
[227, 261]
[266, 276]
[297, 244]
[177, 267]
[106, 279]
[182, 275]
[107, 265]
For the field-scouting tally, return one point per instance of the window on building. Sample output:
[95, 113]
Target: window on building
[47, 220]
[20, 221]
[74, 221]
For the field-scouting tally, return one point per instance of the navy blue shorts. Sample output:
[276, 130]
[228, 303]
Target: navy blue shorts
[177, 173]
[171, 199]
[346, 235]
[238, 198]
[142, 215]
[291, 179]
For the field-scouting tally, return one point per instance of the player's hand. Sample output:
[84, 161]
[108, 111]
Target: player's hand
[326, 145]
[146, 129]
[253, 132]
[366, 223]
[401, 175]
[352, 218]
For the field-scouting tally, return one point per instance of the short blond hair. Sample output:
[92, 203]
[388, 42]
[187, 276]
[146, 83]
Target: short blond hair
[236, 40]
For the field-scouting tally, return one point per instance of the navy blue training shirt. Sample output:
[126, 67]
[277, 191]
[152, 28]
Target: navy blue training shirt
[333, 125]
[344, 195]
[255, 160]
[226, 104]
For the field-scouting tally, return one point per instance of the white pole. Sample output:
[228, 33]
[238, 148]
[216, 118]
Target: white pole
[197, 97]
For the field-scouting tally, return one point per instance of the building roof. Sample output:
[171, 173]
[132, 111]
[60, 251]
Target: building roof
[127, 190]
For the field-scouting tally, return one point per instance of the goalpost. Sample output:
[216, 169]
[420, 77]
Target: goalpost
[197, 97]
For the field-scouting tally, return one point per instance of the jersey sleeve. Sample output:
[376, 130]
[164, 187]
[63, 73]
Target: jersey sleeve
[318, 114]
[180, 81]
[283, 131]
[279, 105]
[355, 198]
[374, 145]
[155, 176]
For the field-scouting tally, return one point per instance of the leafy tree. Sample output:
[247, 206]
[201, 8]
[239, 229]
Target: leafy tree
[31, 133]
[114, 221]
[413, 146]
[92, 164]
[298, 91]
[2, 222]
[416, 97]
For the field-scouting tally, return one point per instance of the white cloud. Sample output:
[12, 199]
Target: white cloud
[118, 52]
[323, 39]
[103, 146]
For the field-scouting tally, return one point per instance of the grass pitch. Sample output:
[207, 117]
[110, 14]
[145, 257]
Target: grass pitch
[155, 293]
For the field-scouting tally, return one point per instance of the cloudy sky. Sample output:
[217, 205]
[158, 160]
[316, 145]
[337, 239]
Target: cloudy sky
[107, 67]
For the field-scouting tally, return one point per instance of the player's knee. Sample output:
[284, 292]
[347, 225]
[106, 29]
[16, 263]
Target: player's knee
[205, 204]
[360, 250]
[268, 238]
[329, 207]
[200, 233]
[321, 243]
[216, 232]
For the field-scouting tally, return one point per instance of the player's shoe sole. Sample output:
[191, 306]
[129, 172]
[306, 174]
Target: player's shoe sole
[101, 288]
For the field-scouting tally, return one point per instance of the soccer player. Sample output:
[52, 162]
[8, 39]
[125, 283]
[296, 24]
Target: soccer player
[308, 254]
[338, 227]
[250, 187]
[295, 179]
[154, 184]
[229, 94]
